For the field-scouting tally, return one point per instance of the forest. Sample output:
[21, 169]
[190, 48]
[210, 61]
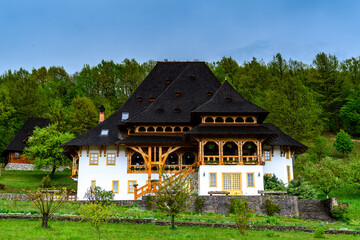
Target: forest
[304, 100]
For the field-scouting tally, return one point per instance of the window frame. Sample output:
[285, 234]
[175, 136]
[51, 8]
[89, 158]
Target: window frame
[253, 179]
[92, 185]
[97, 162]
[107, 159]
[288, 173]
[215, 179]
[269, 174]
[115, 181]
[267, 159]
[128, 186]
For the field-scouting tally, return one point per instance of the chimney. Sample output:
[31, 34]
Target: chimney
[102, 114]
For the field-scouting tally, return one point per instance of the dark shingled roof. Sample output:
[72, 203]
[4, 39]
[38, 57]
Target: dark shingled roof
[188, 91]
[152, 139]
[153, 85]
[231, 130]
[228, 101]
[284, 139]
[18, 143]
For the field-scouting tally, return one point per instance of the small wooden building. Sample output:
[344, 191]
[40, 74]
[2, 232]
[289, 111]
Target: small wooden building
[183, 120]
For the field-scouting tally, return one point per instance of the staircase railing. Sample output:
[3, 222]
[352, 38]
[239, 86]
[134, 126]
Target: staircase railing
[154, 186]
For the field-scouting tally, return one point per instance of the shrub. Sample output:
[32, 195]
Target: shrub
[46, 182]
[243, 212]
[199, 204]
[149, 202]
[272, 208]
[301, 189]
[273, 183]
[99, 195]
[273, 221]
[2, 186]
[319, 232]
[340, 213]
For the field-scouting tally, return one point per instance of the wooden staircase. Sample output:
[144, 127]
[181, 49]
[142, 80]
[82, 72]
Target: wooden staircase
[154, 186]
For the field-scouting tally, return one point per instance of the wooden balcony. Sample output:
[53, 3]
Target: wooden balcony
[231, 160]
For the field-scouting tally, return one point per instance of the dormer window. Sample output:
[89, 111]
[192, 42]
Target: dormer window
[16, 155]
[124, 116]
[104, 132]
[228, 100]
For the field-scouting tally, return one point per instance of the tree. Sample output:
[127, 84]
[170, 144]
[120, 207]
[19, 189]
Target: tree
[353, 171]
[325, 174]
[48, 202]
[173, 196]
[45, 148]
[320, 149]
[243, 212]
[343, 142]
[6, 118]
[83, 115]
[350, 113]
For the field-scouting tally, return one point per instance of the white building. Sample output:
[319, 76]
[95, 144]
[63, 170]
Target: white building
[183, 120]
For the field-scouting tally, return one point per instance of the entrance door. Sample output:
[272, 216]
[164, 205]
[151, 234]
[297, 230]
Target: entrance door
[232, 183]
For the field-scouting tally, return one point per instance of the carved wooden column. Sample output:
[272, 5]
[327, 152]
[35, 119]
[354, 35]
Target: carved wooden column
[220, 144]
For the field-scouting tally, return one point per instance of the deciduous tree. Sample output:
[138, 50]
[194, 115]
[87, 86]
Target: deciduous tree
[343, 142]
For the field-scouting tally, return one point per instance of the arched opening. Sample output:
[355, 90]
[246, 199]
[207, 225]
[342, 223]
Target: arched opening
[188, 158]
[139, 99]
[229, 120]
[185, 129]
[191, 78]
[177, 110]
[168, 129]
[159, 110]
[249, 149]
[228, 100]
[168, 81]
[239, 120]
[209, 120]
[151, 129]
[209, 94]
[137, 159]
[177, 129]
[141, 129]
[249, 120]
[159, 129]
[172, 159]
[152, 99]
[211, 149]
[219, 120]
[132, 131]
[177, 94]
[230, 149]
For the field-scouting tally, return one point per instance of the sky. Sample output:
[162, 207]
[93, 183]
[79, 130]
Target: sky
[74, 33]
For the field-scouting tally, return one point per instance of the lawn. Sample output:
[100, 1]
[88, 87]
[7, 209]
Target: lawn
[30, 229]
[25, 181]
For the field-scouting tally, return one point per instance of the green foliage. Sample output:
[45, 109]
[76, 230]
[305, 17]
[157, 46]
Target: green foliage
[46, 182]
[271, 208]
[45, 148]
[319, 232]
[149, 202]
[343, 142]
[301, 189]
[273, 183]
[97, 195]
[173, 196]
[350, 113]
[320, 148]
[352, 171]
[243, 212]
[96, 214]
[199, 204]
[2, 186]
[340, 213]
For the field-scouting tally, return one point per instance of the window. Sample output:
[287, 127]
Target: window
[288, 173]
[188, 186]
[16, 155]
[267, 156]
[131, 184]
[250, 180]
[110, 159]
[213, 182]
[104, 132]
[124, 116]
[94, 159]
[268, 174]
[93, 184]
[115, 186]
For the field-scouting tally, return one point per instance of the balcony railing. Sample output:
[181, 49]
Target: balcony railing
[231, 160]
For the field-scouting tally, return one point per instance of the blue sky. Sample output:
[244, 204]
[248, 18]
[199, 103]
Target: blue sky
[73, 33]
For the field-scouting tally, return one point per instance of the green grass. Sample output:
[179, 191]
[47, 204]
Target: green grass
[30, 229]
[25, 181]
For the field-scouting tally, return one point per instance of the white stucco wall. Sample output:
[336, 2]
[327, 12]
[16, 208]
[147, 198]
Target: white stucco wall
[104, 174]
[278, 164]
[204, 179]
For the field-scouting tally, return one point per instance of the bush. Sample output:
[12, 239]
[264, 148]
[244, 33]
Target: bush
[340, 213]
[319, 232]
[271, 208]
[46, 182]
[273, 221]
[199, 204]
[273, 183]
[301, 189]
[2, 186]
[99, 195]
[149, 202]
[243, 212]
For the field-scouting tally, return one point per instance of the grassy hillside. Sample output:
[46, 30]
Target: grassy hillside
[24, 181]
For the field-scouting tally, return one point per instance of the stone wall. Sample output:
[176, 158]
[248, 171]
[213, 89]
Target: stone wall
[27, 167]
[13, 196]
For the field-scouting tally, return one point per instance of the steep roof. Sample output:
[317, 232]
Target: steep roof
[160, 78]
[231, 130]
[193, 87]
[18, 143]
[284, 139]
[228, 101]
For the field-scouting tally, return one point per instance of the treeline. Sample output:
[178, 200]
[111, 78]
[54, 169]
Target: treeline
[303, 100]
